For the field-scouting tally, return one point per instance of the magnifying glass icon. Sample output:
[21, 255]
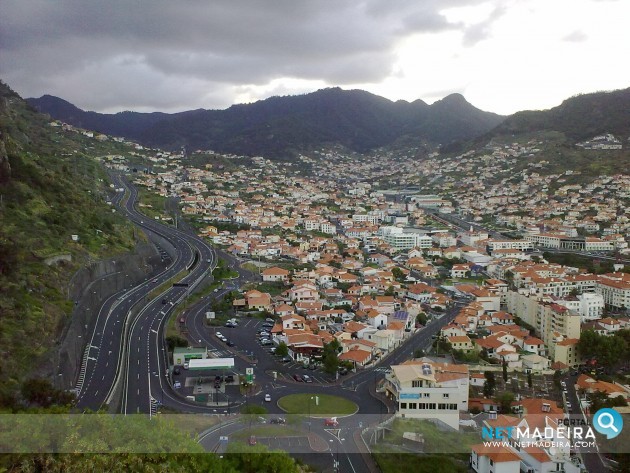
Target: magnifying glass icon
[606, 421]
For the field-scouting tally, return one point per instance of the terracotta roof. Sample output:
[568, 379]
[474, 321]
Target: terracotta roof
[360, 356]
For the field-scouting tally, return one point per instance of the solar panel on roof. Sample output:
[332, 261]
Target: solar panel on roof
[400, 315]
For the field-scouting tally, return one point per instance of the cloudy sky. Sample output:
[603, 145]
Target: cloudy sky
[145, 55]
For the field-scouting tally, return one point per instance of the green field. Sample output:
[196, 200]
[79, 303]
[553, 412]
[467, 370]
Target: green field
[324, 405]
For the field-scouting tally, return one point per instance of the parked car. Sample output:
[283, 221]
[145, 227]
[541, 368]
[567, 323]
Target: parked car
[278, 420]
[286, 359]
[331, 422]
[266, 341]
[298, 378]
[312, 366]
[267, 397]
[307, 378]
[186, 365]
[176, 371]
[252, 440]
[230, 343]
[177, 385]
[229, 378]
[270, 320]
[219, 334]
[343, 371]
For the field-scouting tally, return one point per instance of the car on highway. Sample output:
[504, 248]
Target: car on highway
[164, 301]
[155, 280]
[298, 378]
[267, 397]
[331, 422]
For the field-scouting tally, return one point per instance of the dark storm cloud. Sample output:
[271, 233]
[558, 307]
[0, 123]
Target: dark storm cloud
[157, 54]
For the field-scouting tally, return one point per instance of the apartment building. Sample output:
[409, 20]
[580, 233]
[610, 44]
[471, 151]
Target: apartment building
[615, 289]
[589, 306]
[404, 238]
[425, 389]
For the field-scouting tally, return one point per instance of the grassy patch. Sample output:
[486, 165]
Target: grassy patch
[390, 462]
[436, 441]
[326, 405]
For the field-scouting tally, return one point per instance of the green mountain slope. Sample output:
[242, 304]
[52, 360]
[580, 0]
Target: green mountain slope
[50, 189]
[579, 118]
[284, 126]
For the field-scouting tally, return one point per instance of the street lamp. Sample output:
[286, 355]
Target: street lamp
[309, 412]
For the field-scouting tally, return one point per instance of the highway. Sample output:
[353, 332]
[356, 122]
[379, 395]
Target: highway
[126, 352]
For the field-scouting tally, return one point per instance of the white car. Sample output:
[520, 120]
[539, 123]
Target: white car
[177, 385]
[219, 334]
[267, 397]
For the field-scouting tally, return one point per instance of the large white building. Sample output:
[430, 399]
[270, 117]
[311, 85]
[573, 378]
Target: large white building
[589, 306]
[425, 389]
[615, 289]
[404, 238]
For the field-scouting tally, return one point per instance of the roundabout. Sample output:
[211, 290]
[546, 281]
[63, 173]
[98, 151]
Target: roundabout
[317, 405]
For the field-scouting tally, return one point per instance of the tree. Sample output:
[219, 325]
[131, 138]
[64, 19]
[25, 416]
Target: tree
[330, 357]
[607, 350]
[490, 384]
[505, 401]
[282, 349]
[529, 379]
[173, 341]
[505, 373]
[421, 318]
[398, 274]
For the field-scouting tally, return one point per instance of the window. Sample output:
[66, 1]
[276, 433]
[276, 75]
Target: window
[445, 395]
[413, 405]
[417, 383]
[403, 405]
[426, 394]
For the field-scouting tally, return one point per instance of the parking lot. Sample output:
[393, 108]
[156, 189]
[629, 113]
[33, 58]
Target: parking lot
[248, 342]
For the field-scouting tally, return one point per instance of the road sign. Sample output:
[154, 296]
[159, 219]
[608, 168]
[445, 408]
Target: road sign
[249, 375]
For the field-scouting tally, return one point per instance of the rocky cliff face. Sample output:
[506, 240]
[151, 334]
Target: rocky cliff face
[5, 166]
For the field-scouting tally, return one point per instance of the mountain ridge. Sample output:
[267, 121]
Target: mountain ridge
[282, 126]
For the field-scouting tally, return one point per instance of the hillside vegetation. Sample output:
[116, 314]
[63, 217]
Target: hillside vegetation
[579, 118]
[50, 189]
[280, 127]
